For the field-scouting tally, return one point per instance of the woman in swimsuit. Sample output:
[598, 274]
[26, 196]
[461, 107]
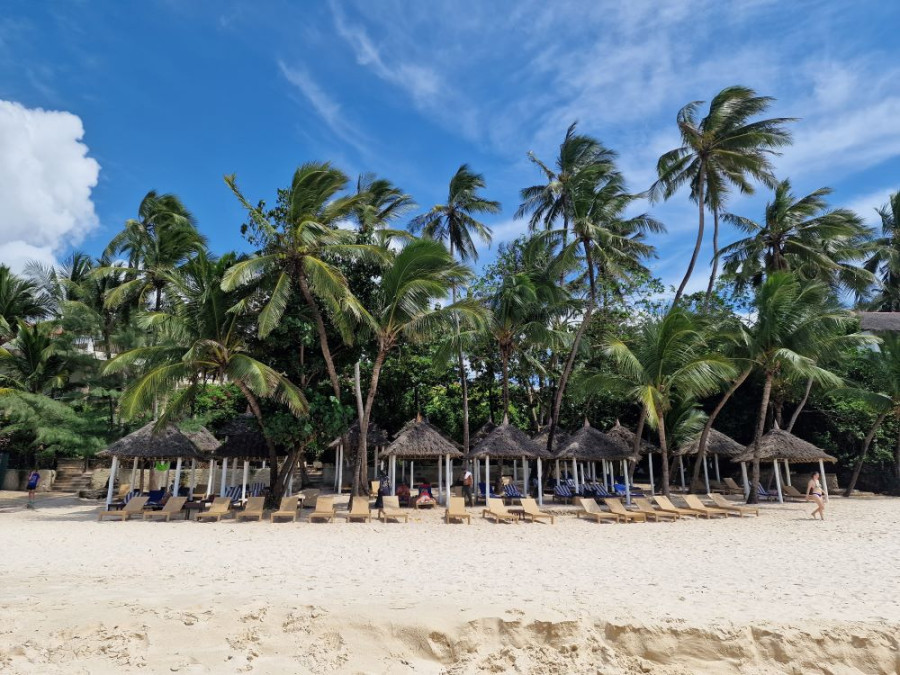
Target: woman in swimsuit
[815, 493]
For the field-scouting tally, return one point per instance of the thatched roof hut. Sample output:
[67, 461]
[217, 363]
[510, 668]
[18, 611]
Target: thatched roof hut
[167, 443]
[243, 439]
[879, 321]
[779, 444]
[627, 436]
[507, 441]
[421, 440]
[482, 433]
[204, 440]
[717, 443]
[560, 438]
[590, 444]
[374, 437]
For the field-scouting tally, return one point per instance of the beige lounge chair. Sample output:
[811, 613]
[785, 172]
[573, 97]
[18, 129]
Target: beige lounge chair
[733, 488]
[132, 508]
[219, 509]
[253, 509]
[324, 510]
[531, 511]
[359, 510]
[497, 510]
[693, 502]
[591, 509]
[374, 486]
[457, 511]
[723, 503]
[390, 508]
[308, 496]
[172, 508]
[287, 509]
[644, 506]
[791, 491]
[617, 507]
[665, 504]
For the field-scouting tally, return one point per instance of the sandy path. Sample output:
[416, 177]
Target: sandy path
[746, 595]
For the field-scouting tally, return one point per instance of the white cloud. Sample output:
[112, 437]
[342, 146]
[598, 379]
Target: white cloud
[865, 205]
[46, 180]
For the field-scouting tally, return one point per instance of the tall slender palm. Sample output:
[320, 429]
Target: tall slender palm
[801, 235]
[885, 261]
[200, 339]
[379, 203]
[795, 325]
[162, 237]
[721, 151]
[297, 255]
[669, 361]
[404, 308]
[608, 242]
[454, 224]
[19, 299]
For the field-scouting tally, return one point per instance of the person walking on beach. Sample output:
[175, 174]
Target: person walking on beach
[467, 487]
[33, 481]
[814, 492]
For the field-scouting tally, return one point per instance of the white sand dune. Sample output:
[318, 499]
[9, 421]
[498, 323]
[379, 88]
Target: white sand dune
[779, 593]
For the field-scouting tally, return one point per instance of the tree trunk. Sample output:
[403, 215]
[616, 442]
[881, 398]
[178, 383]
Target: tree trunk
[664, 453]
[274, 484]
[704, 436]
[753, 498]
[463, 380]
[697, 246]
[367, 409]
[897, 459]
[639, 433]
[323, 336]
[570, 362]
[504, 365]
[862, 455]
[363, 447]
[715, 261]
[796, 415]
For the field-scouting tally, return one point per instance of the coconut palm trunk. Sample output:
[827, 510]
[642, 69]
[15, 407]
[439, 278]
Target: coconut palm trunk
[274, 483]
[664, 452]
[697, 245]
[862, 455]
[790, 426]
[715, 261]
[753, 498]
[383, 350]
[323, 335]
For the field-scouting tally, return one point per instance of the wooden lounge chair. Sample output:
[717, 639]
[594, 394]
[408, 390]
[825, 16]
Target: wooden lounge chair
[359, 510]
[733, 488]
[132, 508]
[308, 496]
[693, 502]
[253, 509]
[644, 506]
[173, 507]
[496, 509]
[531, 511]
[374, 486]
[219, 509]
[665, 504]
[390, 508]
[617, 507]
[457, 511]
[590, 509]
[287, 509]
[324, 510]
[726, 505]
[792, 493]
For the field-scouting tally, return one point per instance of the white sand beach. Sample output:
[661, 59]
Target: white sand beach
[778, 593]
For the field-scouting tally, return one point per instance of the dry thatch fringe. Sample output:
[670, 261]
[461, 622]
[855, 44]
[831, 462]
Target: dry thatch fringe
[560, 438]
[203, 439]
[420, 440]
[627, 436]
[144, 443]
[590, 444]
[507, 441]
[482, 433]
[879, 321]
[779, 444]
[717, 443]
[244, 439]
[376, 436]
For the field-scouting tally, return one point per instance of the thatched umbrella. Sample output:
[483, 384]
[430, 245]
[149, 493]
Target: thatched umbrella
[780, 444]
[592, 445]
[244, 440]
[717, 444]
[480, 435]
[627, 436]
[420, 440]
[509, 442]
[148, 444]
[375, 438]
[560, 438]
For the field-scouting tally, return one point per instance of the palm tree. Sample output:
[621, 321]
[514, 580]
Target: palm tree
[454, 224]
[421, 275]
[201, 340]
[721, 151]
[379, 203]
[885, 261]
[668, 362]
[19, 299]
[297, 255]
[795, 326]
[36, 361]
[162, 237]
[800, 235]
[884, 403]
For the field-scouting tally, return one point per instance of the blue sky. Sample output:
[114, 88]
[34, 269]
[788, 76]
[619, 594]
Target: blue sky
[102, 101]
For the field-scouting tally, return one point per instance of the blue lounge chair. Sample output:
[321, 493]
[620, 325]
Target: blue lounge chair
[155, 497]
[511, 492]
[481, 490]
[620, 491]
[763, 494]
[601, 491]
[563, 493]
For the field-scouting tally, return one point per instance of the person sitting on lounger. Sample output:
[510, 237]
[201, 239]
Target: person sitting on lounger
[403, 493]
[425, 497]
[814, 492]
